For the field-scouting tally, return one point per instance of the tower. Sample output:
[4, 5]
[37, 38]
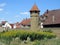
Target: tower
[34, 14]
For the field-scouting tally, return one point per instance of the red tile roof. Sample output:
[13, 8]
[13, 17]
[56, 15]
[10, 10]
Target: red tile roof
[12, 25]
[17, 23]
[50, 14]
[34, 8]
[25, 22]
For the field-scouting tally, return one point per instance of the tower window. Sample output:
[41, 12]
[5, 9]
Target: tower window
[35, 11]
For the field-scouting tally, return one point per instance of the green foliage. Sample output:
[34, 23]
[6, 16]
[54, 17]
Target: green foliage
[17, 41]
[36, 42]
[48, 30]
[23, 34]
[50, 42]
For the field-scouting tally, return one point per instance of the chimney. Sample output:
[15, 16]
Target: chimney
[47, 11]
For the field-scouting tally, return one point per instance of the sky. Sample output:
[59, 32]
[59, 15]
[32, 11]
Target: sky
[16, 10]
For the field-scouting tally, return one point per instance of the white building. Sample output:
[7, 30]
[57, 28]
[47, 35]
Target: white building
[7, 25]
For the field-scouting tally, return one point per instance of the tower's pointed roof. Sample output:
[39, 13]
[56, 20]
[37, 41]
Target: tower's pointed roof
[34, 8]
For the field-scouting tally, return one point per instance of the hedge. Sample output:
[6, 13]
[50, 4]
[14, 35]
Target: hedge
[23, 34]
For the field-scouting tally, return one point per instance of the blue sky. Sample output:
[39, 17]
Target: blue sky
[16, 10]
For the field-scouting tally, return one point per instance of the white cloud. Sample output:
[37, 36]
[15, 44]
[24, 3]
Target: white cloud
[1, 9]
[24, 13]
[2, 4]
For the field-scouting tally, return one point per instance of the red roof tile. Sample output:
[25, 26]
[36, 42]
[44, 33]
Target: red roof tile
[50, 14]
[34, 8]
[12, 25]
[25, 22]
[17, 25]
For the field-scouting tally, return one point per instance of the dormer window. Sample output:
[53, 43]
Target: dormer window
[53, 18]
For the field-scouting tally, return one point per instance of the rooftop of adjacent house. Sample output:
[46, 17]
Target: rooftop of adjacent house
[25, 22]
[53, 17]
[12, 25]
[3, 22]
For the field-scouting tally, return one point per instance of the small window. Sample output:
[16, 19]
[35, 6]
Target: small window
[35, 11]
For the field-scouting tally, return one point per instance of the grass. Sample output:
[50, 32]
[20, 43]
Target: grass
[55, 30]
[54, 41]
[50, 42]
